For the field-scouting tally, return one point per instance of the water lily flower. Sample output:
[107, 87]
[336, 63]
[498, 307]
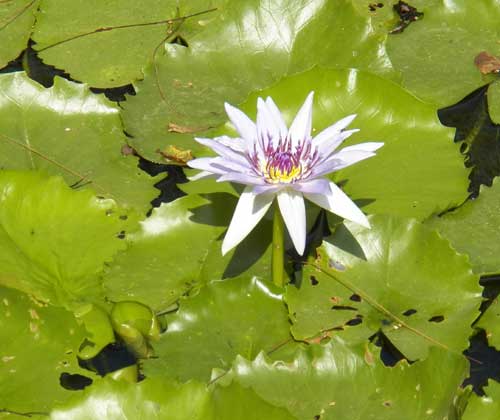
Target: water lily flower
[287, 163]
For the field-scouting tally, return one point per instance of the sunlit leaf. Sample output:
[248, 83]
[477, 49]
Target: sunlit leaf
[493, 96]
[16, 21]
[67, 130]
[334, 381]
[179, 247]
[489, 322]
[243, 47]
[436, 54]
[237, 316]
[39, 344]
[105, 44]
[54, 241]
[472, 229]
[154, 399]
[398, 278]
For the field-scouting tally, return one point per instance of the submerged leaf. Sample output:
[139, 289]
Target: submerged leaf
[398, 278]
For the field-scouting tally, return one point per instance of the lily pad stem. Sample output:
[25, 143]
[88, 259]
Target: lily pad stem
[278, 261]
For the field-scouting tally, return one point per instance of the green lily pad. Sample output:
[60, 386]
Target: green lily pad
[53, 240]
[398, 278]
[237, 316]
[489, 322]
[39, 344]
[472, 229]
[16, 22]
[486, 407]
[436, 54]
[243, 47]
[154, 399]
[179, 247]
[67, 130]
[493, 96]
[104, 44]
[417, 149]
[334, 381]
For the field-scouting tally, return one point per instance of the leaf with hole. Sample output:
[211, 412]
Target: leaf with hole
[397, 278]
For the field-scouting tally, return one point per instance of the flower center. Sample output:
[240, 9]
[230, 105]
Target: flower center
[282, 166]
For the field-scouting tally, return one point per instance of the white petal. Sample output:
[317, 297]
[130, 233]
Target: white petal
[250, 209]
[277, 117]
[328, 146]
[223, 150]
[293, 210]
[339, 203]
[301, 126]
[267, 128]
[235, 143]
[365, 147]
[202, 175]
[330, 132]
[206, 164]
[244, 125]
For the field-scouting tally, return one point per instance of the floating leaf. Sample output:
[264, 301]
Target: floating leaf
[334, 381]
[236, 316]
[239, 49]
[472, 229]
[489, 322]
[398, 278]
[54, 241]
[154, 399]
[69, 131]
[486, 407]
[436, 55]
[98, 325]
[16, 22]
[39, 344]
[105, 44]
[179, 247]
[417, 149]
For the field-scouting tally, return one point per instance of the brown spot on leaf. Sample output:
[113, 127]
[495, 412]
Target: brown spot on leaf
[407, 14]
[184, 129]
[127, 150]
[175, 154]
[487, 63]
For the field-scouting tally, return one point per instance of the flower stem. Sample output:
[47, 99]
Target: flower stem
[278, 261]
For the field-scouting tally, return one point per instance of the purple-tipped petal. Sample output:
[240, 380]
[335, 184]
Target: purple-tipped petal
[301, 125]
[206, 164]
[241, 178]
[366, 147]
[277, 117]
[336, 201]
[244, 125]
[267, 129]
[250, 209]
[223, 151]
[292, 208]
[235, 143]
[327, 147]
